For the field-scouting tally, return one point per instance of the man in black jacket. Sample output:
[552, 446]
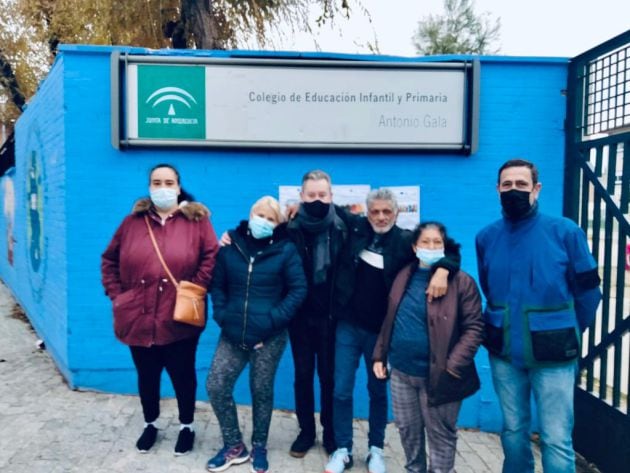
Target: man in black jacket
[319, 234]
[374, 253]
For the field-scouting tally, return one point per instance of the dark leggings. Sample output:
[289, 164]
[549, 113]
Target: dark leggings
[179, 360]
[228, 363]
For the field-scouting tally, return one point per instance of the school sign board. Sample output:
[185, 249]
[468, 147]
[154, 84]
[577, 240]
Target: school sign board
[296, 103]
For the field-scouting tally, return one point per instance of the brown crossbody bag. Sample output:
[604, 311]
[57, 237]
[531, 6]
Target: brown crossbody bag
[190, 303]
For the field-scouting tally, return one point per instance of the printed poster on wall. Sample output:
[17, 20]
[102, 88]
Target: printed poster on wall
[351, 197]
[287, 196]
[408, 198]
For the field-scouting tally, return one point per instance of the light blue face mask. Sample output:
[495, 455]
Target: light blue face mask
[164, 197]
[260, 227]
[429, 257]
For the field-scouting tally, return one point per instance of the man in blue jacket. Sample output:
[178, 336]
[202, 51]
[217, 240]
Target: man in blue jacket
[542, 290]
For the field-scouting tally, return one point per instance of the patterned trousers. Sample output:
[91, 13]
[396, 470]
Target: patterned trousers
[414, 416]
[228, 363]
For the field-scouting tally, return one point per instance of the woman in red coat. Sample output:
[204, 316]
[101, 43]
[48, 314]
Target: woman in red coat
[430, 348]
[143, 296]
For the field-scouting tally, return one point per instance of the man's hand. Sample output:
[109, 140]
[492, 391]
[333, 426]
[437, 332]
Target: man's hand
[438, 284]
[225, 239]
[380, 371]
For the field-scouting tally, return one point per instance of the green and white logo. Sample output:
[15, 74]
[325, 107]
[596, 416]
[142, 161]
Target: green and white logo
[171, 102]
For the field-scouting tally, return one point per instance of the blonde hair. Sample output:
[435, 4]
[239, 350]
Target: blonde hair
[270, 203]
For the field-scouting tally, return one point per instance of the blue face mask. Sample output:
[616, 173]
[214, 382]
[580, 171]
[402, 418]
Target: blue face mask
[429, 257]
[164, 197]
[260, 227]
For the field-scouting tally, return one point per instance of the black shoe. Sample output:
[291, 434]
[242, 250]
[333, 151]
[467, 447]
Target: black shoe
[147, 439]
[329, 443]
[185, 441]
[302, 444]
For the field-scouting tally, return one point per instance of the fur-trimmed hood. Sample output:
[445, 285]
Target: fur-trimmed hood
[191, 210]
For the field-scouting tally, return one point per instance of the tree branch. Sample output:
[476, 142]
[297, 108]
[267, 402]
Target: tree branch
[10, 82]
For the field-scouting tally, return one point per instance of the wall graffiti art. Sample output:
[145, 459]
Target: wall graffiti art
[35, 230]
[9, 212]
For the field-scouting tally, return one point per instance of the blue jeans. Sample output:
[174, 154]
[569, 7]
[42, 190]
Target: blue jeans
[553, 391]
[350, 343]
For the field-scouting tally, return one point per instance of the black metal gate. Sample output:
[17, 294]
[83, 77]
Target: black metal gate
[597, 195]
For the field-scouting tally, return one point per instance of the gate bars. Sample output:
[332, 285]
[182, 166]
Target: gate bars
[597, 196]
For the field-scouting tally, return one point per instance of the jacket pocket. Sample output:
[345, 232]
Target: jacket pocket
[231, 324]
[276, 320]
[494, 320]
[553, 334]
[128, 308]
[451, 389]
[260, 327]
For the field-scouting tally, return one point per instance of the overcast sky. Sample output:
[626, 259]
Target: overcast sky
[528, 27]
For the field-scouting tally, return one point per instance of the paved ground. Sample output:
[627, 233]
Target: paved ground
[46, 427]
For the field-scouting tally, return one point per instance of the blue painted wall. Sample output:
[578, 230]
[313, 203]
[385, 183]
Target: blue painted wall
[38, 275]
[87, 187]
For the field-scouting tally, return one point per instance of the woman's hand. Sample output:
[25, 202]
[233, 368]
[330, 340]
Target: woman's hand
[380, 371]
[438, 284]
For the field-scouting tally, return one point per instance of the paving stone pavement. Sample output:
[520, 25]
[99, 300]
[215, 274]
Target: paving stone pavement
[47, 427]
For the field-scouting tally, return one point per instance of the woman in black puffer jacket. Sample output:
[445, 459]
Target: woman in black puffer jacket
[258, 284]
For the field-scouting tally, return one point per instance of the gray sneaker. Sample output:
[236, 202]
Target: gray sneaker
[339, 461]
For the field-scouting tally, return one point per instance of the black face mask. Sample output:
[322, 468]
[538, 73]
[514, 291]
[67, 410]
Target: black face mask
[515, 203]
[316, 209]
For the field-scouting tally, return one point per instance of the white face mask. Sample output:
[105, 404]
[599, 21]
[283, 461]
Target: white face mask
[429, 257]
[164, 197]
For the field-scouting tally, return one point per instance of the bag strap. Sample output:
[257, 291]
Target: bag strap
[159, 253]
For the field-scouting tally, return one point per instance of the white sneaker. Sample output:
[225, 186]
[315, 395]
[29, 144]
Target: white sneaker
[339, 461]
[375, 461]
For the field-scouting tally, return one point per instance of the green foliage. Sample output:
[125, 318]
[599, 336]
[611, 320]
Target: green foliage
[458, 31]
[30, 30]
[21, 64]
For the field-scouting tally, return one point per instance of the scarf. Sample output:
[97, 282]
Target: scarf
[320, 229]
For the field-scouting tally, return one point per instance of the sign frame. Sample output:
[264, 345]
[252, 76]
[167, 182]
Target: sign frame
[121, 77]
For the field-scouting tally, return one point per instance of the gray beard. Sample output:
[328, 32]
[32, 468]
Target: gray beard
[383, 230]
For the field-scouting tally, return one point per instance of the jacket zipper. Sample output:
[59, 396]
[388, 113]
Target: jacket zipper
[158, 296]
[250, 269]
[144, 296]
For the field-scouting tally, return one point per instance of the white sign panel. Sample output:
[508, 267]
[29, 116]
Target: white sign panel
[334, 105]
